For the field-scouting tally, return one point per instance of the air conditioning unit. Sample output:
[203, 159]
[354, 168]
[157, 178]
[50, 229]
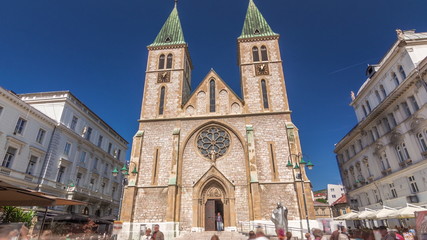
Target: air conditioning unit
[412, 199]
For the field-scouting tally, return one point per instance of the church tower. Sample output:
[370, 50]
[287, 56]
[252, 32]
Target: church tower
[168, 75]
[262, 78]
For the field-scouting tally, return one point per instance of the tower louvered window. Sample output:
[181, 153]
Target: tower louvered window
[169, 61]
[212, 95]
[264, 55]
[162, 100]
[255, 54]
[162, 61]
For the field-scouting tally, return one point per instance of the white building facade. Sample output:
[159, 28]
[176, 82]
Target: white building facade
[52, 142]
[382, 160]
[334, 191]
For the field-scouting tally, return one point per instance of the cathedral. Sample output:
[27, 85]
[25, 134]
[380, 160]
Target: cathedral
[206, 151]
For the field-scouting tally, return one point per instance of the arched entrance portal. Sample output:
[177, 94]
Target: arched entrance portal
[213, 193]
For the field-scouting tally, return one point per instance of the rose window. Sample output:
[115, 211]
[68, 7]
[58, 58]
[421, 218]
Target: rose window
[213, 142]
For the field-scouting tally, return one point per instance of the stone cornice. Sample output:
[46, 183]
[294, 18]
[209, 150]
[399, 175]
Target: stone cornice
[214, 116]
[256, 39]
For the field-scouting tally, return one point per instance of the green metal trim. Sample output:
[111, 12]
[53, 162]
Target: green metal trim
[139, 134]
[255, 24]
[249, 128]
[171, 32]
[176, 131]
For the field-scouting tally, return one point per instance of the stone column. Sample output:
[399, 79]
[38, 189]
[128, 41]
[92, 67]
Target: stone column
[172, 185]
[254, 183]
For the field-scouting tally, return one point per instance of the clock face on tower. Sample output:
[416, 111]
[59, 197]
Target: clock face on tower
[163, 77]
[262, 69]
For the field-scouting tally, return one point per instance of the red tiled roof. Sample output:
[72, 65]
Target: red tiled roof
[342, 199]
[320, 194]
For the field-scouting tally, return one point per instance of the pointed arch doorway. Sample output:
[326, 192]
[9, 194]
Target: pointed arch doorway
[213, 193]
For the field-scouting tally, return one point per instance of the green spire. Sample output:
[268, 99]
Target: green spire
[255, 24]
[171, 32]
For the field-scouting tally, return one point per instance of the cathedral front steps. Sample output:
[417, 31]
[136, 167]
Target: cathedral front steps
[207, 236]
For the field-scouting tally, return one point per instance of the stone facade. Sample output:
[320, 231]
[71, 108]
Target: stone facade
[246, 171]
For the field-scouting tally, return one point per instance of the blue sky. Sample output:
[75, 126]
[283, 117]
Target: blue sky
[97, 50]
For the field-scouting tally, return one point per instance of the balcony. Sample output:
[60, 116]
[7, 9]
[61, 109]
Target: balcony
[386, 171]
[405, 163]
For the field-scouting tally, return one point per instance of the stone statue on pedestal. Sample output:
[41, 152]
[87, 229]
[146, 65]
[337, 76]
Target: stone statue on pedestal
[280, 219]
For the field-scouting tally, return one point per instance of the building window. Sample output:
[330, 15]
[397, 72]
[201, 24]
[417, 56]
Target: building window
[422, 142]
[353, 149]
[384, 161]
[103, 187]
[78, 178]
[95, 163]
[360, 144]
[264, 54]
[402, 73]
[347, 154]
[169, 61]
[74, 123]
[386, 123]
[264, 93]
[212, 96]
[113, 192]
[413, 184]
[364, 110]
[20, 126]
[1, 110]
[162, 100]
[393, 190]
[378, 96]
[402, 152]
[119, 152]
[31, 165]
[88, 133]
[382, 89]
[67, 149]
[368, 106]
[406, 109]
[100, 138]
[61, 172]
[375, 133]
[40, 136]
[255, 54]
[162, 61]
[334, 196]
[8, 157]
[109, 148]
[395, 79]
[392, 120]
[414, 103]
[83, 157]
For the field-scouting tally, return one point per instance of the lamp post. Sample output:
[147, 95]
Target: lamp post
[302, 164]
[125, 173]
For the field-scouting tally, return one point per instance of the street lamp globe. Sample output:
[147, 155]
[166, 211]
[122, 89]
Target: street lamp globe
[124, 169]
[310, 165]
[115, 172]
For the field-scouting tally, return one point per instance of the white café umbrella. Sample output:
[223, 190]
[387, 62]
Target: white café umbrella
[385, 212]
[342, 217]
[351, 216]
[407, 212]
[367, 214]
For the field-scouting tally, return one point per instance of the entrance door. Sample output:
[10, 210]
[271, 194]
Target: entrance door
[210, 215]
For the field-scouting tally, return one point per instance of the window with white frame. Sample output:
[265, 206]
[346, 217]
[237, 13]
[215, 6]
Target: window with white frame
[1, 110]
[95, 163]
[386, 124]
[395, 79]
[40, 136]
[20, 126]
[422, 142]
[360, 144]
[413, 184]
[406, 109]
[414, 103]
[32, 165]
[402, 73]
[375, 132]
[382, 89]
[8, 157]
[385, 164]
[392, 120]
[402, 152]
[74, 123]
[364, 110]
[67, 149]
[100, 138]
[79, 178]
[119, 152]
[377, 94]
[393, 192]
[368, 106]
[61, 172]
[347, 154]
[110, 146]
[88, 133]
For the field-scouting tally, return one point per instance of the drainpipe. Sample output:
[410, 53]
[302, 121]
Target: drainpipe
[46, 162]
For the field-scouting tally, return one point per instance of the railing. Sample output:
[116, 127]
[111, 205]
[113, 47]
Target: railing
[268, 228]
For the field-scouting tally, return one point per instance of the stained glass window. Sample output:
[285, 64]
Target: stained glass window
[213, 142]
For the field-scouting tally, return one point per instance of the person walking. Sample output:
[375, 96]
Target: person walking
[252, 235]
[215, 237]
[219, 222]
[158, 235]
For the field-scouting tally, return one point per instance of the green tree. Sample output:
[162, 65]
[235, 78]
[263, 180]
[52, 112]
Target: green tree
[14, 214]
[322, 200]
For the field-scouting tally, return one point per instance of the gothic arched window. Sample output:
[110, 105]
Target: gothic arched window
[162, 61]
[264, 93]
[162, 100]
[264, 55]
[169, 61]
[422, 142]
[255, 54]
[212, 95]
